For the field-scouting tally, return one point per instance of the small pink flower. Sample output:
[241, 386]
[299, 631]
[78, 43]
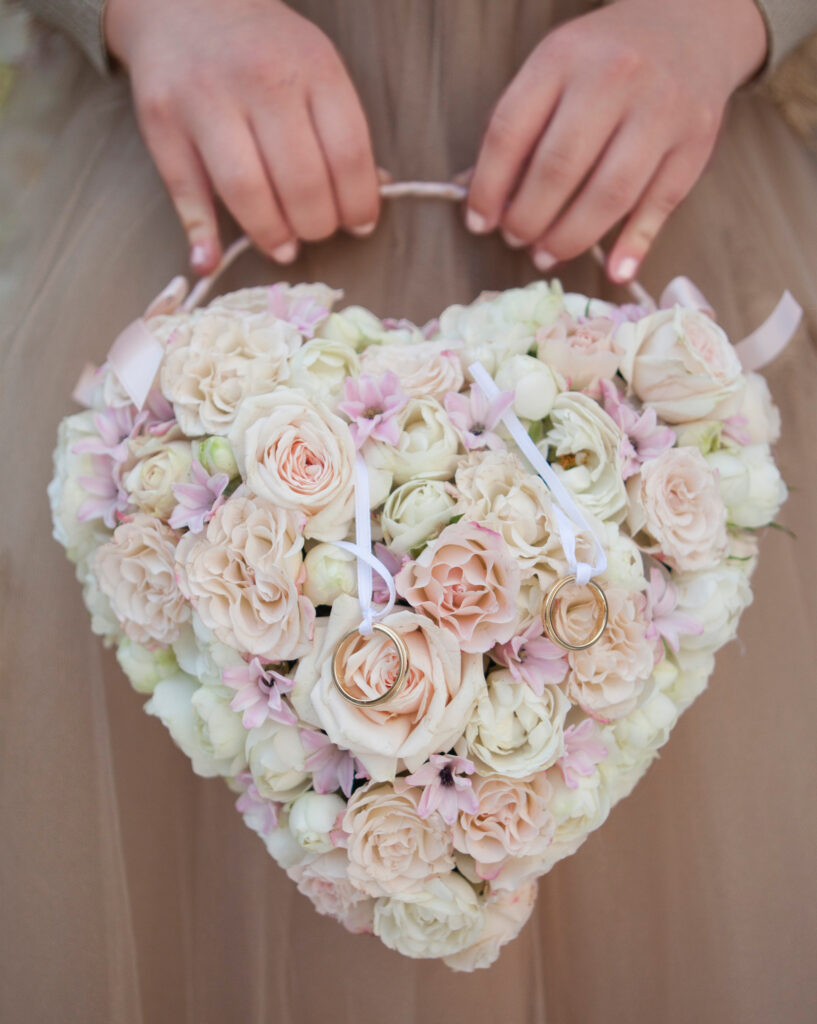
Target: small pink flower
[259, 694]
[199, 500]
[393, 563]
[108, 500]
[445, 787]
[304, 312]
[475, 417]
[645, 438]
[736, 428]
[665, 622]
[332, 767]
[260, 815]
[533, 659]
[583, 751]
[372, 404]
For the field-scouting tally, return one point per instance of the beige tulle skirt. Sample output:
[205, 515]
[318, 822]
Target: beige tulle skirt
[131, 891]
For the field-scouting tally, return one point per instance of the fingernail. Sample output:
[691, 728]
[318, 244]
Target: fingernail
[364, 229]
[625, 269]
[512, 240]
[199, 260]
[476, 222]
[544, 261]
[285, 253]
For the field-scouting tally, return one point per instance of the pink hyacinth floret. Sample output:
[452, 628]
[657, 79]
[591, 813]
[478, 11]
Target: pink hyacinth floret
[260, 815]
[665, 621]
[304, 312]
[583, 751]
[332, 767]
[736, 428]
[533, 659]
[645, 439]
[372, 404]
[198, 501]
[446, 787]
[475, 417]
[259, 694]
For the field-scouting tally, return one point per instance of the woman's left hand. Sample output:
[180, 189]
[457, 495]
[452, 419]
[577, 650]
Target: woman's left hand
[614, 115]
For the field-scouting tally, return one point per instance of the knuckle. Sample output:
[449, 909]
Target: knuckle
[706, 121]
[625, 63]
[240, 186]
[502, 132]
[616, 192]
[558, 165]
[665, 201]
[156, 105]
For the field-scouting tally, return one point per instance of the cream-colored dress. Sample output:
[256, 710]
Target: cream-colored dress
[131, 891]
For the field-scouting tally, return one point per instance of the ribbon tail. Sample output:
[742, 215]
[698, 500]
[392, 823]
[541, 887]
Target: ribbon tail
[683, 292]
[135, 358]
[766, 342]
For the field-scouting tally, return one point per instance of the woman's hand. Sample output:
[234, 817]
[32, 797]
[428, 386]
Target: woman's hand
[250, 101]
[613, 115]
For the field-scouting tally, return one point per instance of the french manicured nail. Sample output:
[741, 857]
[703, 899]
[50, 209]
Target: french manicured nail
[476, 222]
[625, 269]
[362, 230]
[285, 253]
[199, 260]
[512, 240]
[544, 261]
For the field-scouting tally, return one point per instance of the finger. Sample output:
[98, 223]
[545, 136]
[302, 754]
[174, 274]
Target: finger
[571, 144]
[230, 154]
[181, 170]
[611, 191]
[513, 129]
[298, 170]
[343, 135]
[672, 182]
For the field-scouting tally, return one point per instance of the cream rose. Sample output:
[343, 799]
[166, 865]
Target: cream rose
[330, 572]
[135, 571]
[428, 714]
[145, 667]
[750, 484]
[679, 362]
[444, 919]
[154, 466]
[359, 328]
[391, 848]
[297, 454]
[754, 410]
[513, 732]
[506, 911]
[678, 503]
[535, 386]
[242, 576]
[425, 369]
[218, 360]
[325, 882]
[633, 742]
[584, 445]
[578, 812]
[427, 448]
[414, 513]
[610, 678]
[321, 366]
[582, 351]
[716, 598]
[467, 581]
[276, 756]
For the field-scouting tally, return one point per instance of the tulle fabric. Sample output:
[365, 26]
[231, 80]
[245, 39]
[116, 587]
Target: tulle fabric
[131, 891]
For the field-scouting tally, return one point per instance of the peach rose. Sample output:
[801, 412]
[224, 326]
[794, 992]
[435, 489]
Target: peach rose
[135, 572]
[506, 911]
[243, 577]
[429, 713]
[582, 351]
[679, 362]
[679, 504]
[610, 678]
[425, 369]
[467, 581]
[391, 848]
[298, 455]
[325, 881]
[513, 820]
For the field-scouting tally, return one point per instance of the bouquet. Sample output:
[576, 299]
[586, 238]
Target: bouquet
[429, 599]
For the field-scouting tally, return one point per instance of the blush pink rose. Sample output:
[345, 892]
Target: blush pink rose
[325, 881]
[582, 351]
[468, 582]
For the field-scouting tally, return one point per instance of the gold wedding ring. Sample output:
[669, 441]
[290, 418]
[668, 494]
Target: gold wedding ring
[601, 618]
[344, 648]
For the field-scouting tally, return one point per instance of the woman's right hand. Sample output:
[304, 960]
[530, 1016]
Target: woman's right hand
[250, 101]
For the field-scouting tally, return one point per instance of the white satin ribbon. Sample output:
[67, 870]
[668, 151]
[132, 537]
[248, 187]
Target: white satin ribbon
[362, 550]
[569, 517]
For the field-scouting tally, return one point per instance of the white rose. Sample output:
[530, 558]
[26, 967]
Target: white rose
[427, 448]
[757, 414]
[506, 911]
[201, 654]
[443, 919]
[512, 731]
[296, 453]
[312, 817]
[66, 494]
[750, 484]
[145, 667]
[625, 566]
[694, 671]
[578, 812]
[172, 703]
[716, 598]
[330, 572]
[679, 362]
[584, 445]
[414, 513]
[276, 757]
[219, 729]
[154, 467]
[104, 622]
[534, 384]
[282, 845]
[359, 327]
[633, 741]
[425, 369]
[321, 366]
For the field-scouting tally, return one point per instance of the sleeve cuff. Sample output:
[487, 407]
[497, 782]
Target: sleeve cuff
[80, 19]
[788, 23]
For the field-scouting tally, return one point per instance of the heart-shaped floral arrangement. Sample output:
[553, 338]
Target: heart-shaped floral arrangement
[558, 498]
